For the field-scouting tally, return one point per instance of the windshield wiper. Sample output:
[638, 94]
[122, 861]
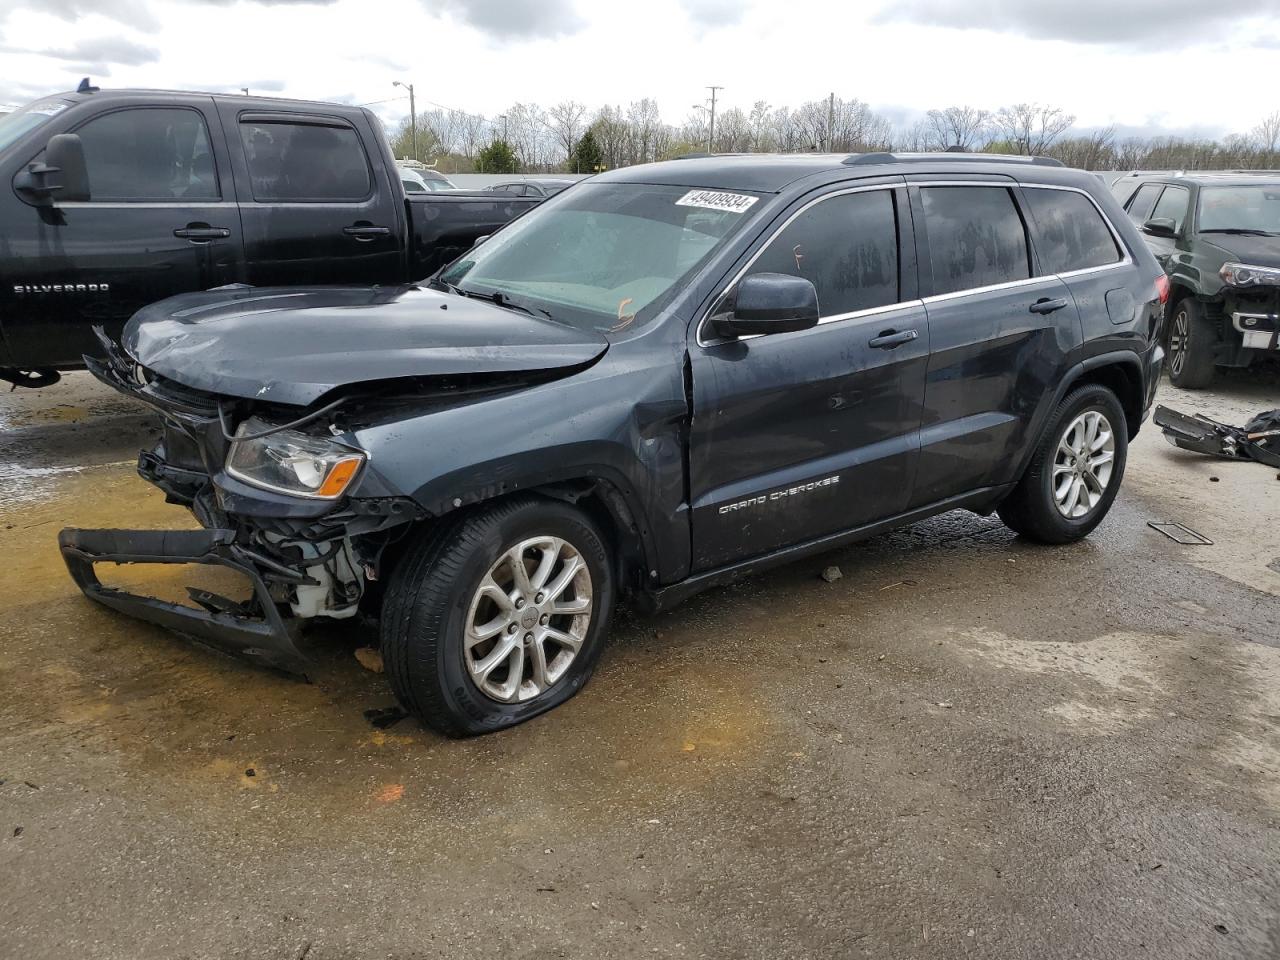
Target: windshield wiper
[1241, 231]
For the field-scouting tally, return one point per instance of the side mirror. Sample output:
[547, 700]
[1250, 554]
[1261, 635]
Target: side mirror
[479, 240]
[62, 175]
[1160, 227]
[770, 303]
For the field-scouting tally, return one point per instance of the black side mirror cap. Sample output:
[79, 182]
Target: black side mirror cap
[1160, 227]
[62, 176]
[770, 303]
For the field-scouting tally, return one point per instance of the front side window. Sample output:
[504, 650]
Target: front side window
[1139, 208]
[25, 119]
[1251, 208]
[1172, 206]
[149, 153]
[1070, 232]
[605, 256]
[304, 161]
[976, 237]
[847, 246]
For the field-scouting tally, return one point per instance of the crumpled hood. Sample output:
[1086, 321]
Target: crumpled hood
[294, 344]
[1242, 248]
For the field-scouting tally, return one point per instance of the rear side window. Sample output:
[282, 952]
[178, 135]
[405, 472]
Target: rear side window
[1070, 232]
[847, 246]
[1140, 206]
[149, 153]
[302, 161]
[1172, 206]
[976, 237]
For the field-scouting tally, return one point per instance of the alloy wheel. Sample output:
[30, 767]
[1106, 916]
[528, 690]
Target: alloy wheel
[1179, 334]
[1083, 464]
[528, 619]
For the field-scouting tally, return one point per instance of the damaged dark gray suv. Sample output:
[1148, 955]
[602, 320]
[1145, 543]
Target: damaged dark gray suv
[667, 377]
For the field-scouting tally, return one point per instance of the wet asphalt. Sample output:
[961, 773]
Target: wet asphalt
[966, 746]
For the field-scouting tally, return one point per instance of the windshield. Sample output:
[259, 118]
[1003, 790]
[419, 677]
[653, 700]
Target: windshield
[24, 119]
[1253, 208]
[602, 256]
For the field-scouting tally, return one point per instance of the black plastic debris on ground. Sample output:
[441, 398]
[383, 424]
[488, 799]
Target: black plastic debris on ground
[1179, 533]
[383, 717]
[1259, 439]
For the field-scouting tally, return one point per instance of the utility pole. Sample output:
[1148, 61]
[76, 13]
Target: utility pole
[413, 116]
[831, 119]
[711, 129]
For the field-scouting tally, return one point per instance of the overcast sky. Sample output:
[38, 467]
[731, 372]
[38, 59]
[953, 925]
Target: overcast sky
[1144, 65]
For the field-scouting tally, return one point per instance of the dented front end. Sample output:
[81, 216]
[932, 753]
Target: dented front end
[305, 552]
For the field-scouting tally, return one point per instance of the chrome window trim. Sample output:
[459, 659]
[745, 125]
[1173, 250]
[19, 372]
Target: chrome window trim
[705, 321]
[146, 204]
[1126, 257]
[989, 288]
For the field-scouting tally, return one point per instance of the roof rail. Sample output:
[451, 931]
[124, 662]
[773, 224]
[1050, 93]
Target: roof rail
[861, 159]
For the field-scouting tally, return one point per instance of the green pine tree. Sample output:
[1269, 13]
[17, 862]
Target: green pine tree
[497, 157]
[586, 156]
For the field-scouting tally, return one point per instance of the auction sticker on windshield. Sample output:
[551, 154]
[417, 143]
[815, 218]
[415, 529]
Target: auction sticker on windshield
[715, 200]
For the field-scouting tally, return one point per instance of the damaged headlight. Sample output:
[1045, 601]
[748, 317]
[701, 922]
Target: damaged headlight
[292, 462]
[1248, 275]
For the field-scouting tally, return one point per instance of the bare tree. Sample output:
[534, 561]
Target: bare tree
[760, 121]
[963, 127]
[1031, 128]
[733, 132]
[565, 120]
[1267, 136]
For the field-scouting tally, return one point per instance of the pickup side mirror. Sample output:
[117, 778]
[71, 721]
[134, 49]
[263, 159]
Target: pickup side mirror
[1160, 227]
[770, 303]
[61, 176]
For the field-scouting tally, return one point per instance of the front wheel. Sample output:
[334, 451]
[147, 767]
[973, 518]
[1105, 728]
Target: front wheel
[1075, 473]
[1191, 346]
[499, 617]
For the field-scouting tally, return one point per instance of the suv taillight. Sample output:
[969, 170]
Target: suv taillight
[1162, 289]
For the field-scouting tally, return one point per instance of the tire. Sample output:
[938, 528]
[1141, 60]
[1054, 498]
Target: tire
[1033, 508]
[434, 597]
[1192, 339]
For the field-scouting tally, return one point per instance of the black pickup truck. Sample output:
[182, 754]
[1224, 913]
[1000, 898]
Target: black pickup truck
[111, 200]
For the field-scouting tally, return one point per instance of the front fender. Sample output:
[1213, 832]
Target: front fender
[624, 425]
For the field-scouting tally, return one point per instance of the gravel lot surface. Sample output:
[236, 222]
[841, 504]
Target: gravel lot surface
[966, 746]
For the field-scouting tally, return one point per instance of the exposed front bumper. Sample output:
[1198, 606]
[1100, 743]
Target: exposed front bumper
[254, 630]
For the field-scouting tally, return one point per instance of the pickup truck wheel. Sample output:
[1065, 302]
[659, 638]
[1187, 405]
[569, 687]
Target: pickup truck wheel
[1075, 473]
[1191, 344]
[498, 617]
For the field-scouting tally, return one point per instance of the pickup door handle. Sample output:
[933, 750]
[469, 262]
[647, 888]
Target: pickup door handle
[1045, 305]
[366, 231]
[201, 233]
[892, 338]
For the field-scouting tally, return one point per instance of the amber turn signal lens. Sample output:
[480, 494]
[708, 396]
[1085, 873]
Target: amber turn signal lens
[340, 477]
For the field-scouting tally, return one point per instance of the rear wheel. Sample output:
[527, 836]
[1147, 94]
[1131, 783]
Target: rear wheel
[1191, 346]
[499, 617]
[1075, 473]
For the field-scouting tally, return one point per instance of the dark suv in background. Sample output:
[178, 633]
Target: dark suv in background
[667, 377]
[1217, 235]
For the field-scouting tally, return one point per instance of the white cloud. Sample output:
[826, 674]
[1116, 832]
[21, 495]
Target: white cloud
[484, 55]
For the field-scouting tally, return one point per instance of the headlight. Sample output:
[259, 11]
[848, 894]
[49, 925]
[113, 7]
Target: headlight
[293, 462]
[1247, 275]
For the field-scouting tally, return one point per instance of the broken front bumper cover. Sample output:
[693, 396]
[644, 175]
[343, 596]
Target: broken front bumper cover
[254, 630]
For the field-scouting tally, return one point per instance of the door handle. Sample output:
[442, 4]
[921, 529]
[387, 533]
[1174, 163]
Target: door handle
[201, 233]
[892, 338]
[1045, 305]
[366, 231]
